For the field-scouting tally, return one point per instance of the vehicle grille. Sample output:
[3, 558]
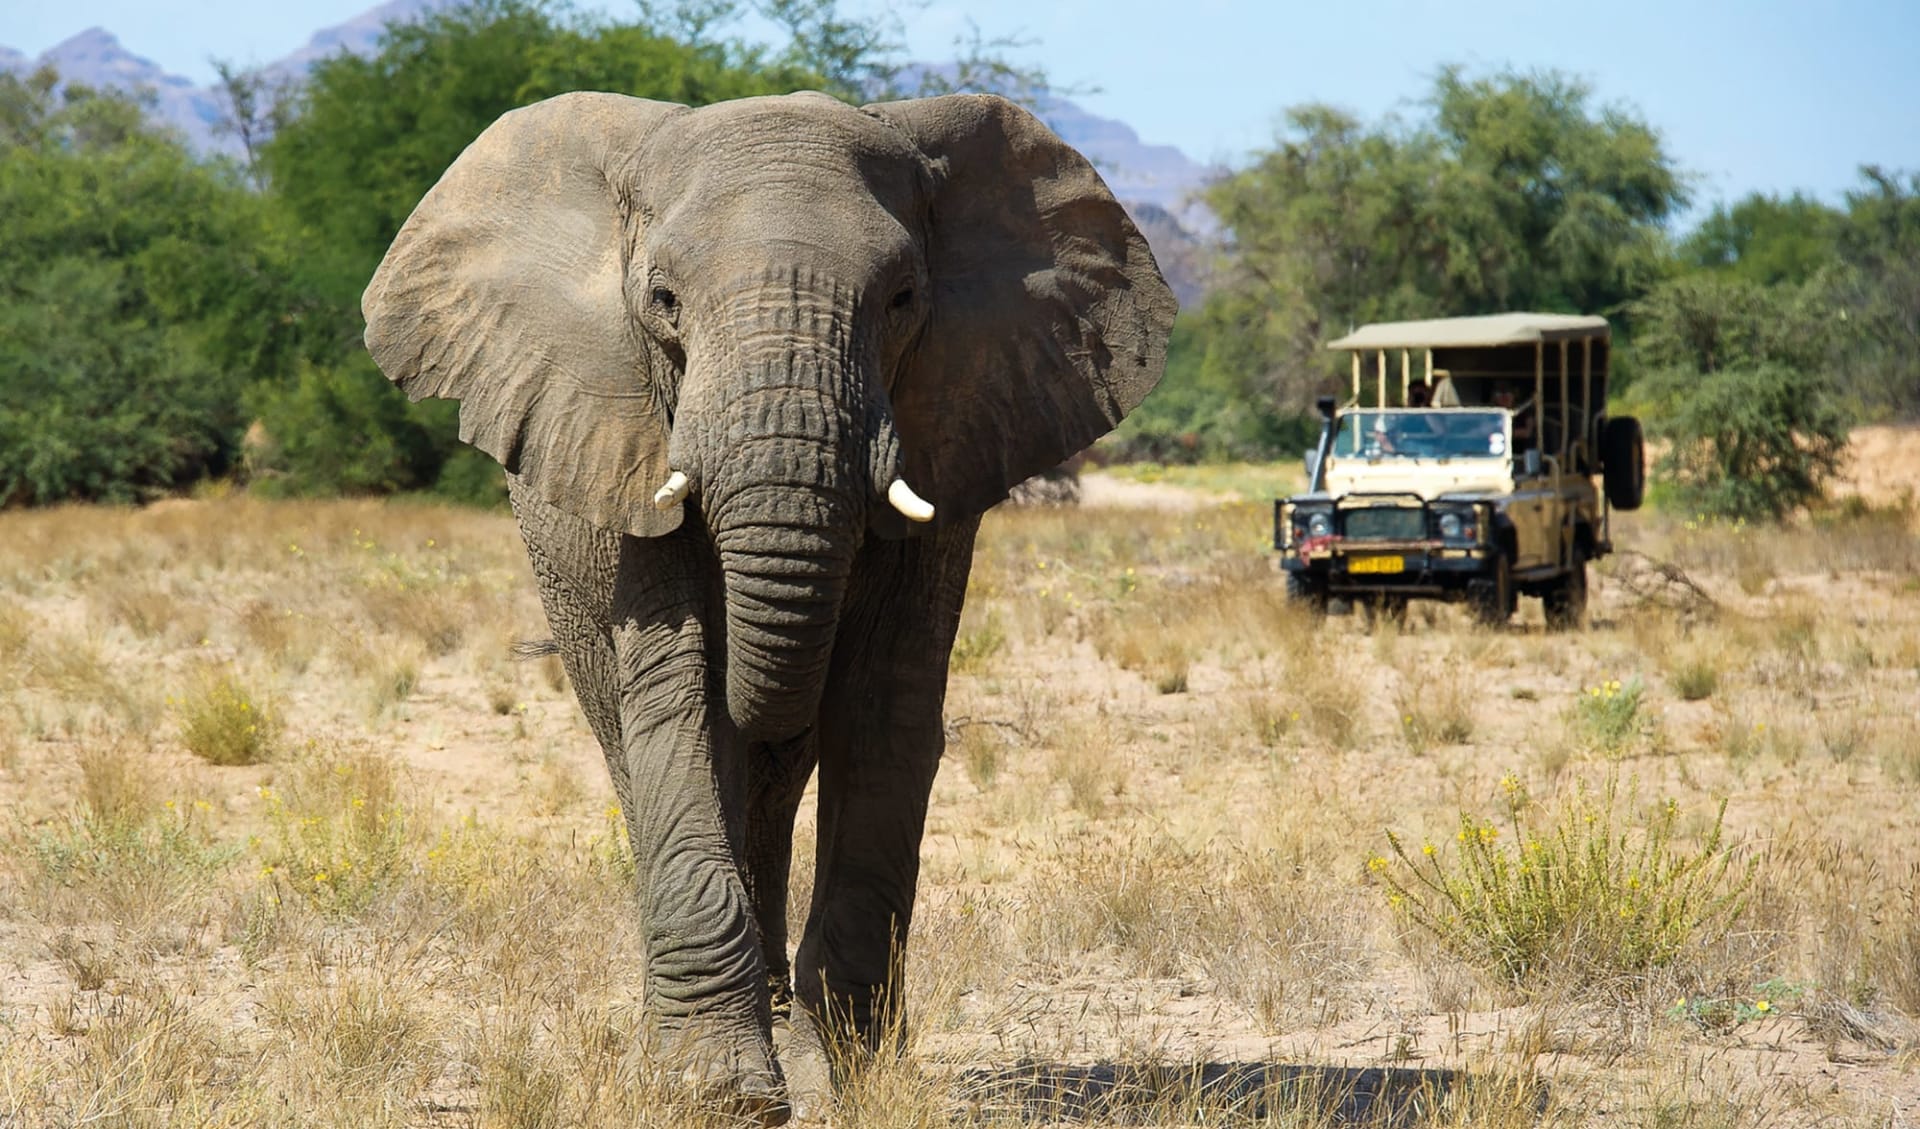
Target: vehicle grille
[1386, 523]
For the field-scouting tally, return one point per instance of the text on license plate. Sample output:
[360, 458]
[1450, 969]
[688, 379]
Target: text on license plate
[1377, 564]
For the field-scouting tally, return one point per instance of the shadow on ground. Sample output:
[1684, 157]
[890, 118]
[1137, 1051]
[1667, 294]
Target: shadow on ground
[1135, 1094]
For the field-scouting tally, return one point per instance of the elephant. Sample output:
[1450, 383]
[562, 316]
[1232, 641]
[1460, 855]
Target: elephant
[755, 370]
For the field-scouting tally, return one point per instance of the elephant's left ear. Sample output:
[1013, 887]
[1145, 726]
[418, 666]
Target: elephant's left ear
[1048, 321]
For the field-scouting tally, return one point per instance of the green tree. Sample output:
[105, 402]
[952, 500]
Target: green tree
[1740, 376]
[139, 292]
[1766, 239]
[1877, 290]
[1513, 191]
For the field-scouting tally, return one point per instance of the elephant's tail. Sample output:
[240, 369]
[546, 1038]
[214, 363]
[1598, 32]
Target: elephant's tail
[526, 650]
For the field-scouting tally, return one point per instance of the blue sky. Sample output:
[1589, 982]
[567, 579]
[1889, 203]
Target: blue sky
[1760, 95]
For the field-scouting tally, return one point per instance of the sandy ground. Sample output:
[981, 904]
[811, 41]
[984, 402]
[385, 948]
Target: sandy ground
[499, 743]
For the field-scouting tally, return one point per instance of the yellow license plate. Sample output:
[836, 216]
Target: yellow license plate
[1377, 564]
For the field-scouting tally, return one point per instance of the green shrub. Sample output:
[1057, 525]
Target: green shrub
[222, 722]
[343, 429]
[1739, 381]
[339, 834]
[1572, 893]
[136, 295]
[1606, 717]
[1695, 680]
[471, 478]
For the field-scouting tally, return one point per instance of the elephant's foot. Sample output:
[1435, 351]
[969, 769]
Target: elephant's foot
[739, 1079]
[805, 1060]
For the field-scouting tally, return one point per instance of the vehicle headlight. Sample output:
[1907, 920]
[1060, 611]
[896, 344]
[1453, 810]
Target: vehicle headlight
[1320, 524]
[1451, 527]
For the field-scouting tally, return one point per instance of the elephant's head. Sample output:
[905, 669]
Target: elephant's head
[807, 320]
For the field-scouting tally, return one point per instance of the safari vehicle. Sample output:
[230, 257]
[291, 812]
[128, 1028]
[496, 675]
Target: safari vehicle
[1470, 475]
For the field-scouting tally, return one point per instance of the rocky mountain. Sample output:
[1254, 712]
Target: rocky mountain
[96, 58]
[1155, 182]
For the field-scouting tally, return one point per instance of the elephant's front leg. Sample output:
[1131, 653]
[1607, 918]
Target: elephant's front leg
[881, 738]
[706, 981]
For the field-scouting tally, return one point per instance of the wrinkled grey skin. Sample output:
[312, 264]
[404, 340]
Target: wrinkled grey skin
[793, 302]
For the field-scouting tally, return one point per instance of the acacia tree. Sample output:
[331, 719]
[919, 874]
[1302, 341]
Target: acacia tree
[1740, 376]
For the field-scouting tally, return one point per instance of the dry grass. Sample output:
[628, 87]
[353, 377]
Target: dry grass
[1147, 847]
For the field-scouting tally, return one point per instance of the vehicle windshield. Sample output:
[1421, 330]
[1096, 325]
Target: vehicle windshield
[1423, 433]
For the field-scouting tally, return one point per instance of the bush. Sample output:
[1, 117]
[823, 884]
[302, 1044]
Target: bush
[1575, 894]
[1606, 717]
[343, 429]
[1751, 442]
[1739, 382]
[222, 723]
[137, 293]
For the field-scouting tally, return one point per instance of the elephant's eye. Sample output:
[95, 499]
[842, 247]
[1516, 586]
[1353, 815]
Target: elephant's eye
[664, 300]
[903, 299]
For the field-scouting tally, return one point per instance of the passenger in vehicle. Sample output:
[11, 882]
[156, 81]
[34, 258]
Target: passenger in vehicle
[1523, 429]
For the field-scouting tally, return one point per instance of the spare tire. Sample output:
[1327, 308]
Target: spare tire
[1623, 462]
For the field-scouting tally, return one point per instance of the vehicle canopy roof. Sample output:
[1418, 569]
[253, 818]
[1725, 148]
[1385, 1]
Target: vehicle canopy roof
[1489, 330]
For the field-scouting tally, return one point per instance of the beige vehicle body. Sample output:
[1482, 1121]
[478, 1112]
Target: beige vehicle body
[1472, 473]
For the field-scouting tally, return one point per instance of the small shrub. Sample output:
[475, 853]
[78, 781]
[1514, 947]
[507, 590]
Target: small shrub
[1607, 718]
[1170, 673]
[1694, 680]
[976, 647]
[338, 829]
[981, 748]
[1438, 711]
[222, 722]
[1575, 893]
[1267, 718]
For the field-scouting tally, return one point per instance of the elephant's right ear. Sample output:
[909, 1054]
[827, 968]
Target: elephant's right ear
[507, 291]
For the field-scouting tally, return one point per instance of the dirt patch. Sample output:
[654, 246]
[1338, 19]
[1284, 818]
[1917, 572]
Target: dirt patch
[1883, 464]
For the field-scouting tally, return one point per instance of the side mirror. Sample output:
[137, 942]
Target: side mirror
[1531, 462]
[1324, 405]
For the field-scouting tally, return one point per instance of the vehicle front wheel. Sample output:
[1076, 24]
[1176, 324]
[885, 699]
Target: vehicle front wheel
[1490, 597]
[1566, 602]
[1304, 592]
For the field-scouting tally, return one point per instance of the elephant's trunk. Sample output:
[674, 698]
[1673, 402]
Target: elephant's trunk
[786, 479]
[785, 551]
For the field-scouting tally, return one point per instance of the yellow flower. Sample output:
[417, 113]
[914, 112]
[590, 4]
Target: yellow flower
[322, 876]
[1377, 865]
[1762, 1006]
[1427, 850]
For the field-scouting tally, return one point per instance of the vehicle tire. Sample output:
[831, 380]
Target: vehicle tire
[1565, 603]
[1490, 597]
[1303, 592]
[1623, 460]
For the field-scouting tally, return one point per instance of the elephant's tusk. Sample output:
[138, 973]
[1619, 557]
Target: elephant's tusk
[673, 493]
[913, 506]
